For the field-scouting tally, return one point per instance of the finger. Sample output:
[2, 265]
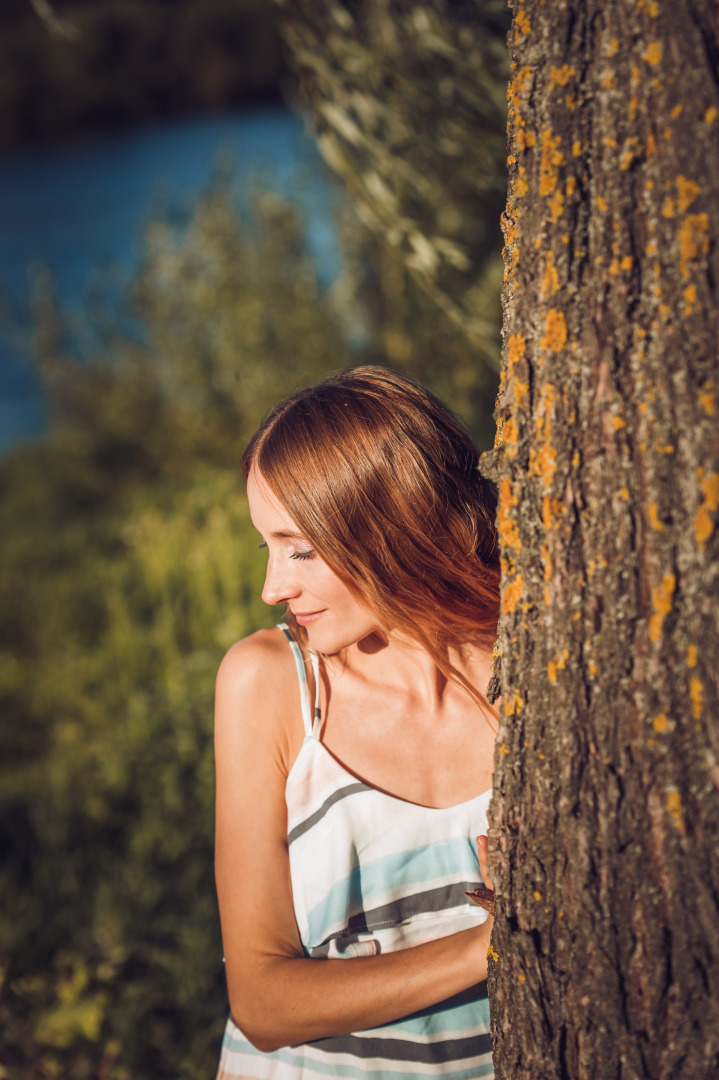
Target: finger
[483, 852]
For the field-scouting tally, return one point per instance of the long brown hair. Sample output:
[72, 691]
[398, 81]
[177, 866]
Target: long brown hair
[381, 478]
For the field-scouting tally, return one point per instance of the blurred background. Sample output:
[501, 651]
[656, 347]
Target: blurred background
[204, 205]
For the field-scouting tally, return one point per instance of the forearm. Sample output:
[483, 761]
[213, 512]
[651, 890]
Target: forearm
[282, 1001]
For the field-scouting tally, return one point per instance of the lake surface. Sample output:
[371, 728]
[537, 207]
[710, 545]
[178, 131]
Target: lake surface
[80, 208]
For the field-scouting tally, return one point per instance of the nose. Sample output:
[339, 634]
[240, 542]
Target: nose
[280, 581]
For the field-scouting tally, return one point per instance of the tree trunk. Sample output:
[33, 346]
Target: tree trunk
[605, 814]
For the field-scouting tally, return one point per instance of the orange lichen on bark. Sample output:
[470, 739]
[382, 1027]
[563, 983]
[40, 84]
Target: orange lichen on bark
[560, 76]
[558, 664]
[690, 299]
[653, 53]
[549, 284]
[522, 25]
[555, 331]
[662, 597]
[612, 48]
[552, 509]
[696, 696]
[706, 399]
[513, 703]
[692, 656]
[506, 524]
[674, 806]
[688, 191]
[602, 204]
[693, 240]
[576, 148]
[654, 521]
[660, 723]
[550, 161]
[710, 115]
[703, 524]
[512, 595]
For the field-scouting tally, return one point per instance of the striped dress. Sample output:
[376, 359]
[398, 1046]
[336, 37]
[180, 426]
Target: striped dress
[372, 873]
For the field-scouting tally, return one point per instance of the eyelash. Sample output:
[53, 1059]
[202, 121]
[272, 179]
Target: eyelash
[297, 554]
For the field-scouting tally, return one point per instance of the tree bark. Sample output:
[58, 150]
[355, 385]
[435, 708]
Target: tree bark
[605, 817]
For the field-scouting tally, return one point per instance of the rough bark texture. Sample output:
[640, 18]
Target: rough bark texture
[606, 813]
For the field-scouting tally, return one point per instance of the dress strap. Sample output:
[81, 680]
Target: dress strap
[309, 716]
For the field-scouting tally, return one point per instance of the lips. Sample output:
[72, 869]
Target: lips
[306, 617]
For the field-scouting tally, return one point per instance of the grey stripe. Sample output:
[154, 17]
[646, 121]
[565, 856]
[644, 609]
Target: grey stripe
[341, 793]
[398, 911]
[403, 1050]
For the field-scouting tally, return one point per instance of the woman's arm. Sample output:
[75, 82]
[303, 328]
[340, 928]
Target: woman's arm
[278, 997]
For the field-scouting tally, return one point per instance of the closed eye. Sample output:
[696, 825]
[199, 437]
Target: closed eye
[302, 555]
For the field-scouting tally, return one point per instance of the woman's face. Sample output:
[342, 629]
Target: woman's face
[297, 576]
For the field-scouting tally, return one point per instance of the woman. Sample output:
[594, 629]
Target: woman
[346, 829]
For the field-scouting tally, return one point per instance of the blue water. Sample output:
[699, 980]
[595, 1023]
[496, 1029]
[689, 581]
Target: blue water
[80, 208]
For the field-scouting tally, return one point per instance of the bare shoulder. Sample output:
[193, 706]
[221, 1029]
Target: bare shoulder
[257, 696]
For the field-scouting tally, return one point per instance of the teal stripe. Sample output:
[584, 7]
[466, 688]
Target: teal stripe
[309, 1067]
[367, 884]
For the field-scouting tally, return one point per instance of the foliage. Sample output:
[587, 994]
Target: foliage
[409, 105]
[128, 566]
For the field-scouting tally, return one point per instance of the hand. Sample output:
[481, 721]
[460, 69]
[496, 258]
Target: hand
[484, 897]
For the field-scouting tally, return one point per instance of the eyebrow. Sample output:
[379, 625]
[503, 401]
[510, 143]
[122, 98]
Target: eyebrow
[282, 535]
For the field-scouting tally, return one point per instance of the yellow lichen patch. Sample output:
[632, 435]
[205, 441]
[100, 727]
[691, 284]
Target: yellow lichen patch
[576, 148]
[521, 187]
[660, 723]
[652, 248]
[662, 597]
[612, 48]
[703, 524]
[674, 806]
[522, 977]
[571, 185]
[558, 664]
[693, 240]
[513, 704]
[506, 524]
[653, 53]
[560, 76]
[654, 517]
[667, 133]
[627, 262]
[550, 278]
[512, 595]
[668, 209]
[696, 696]
[618, 422]
[624, 493]
[543, 463]
[555, 331]
[551, 159]
[522, 25]
[706, 399]
[551, 510]
[556, 205]
[602, 204]
[690, 299]
[633, 109]
[537, 896]
[692, 656]
[710, 115]
[687, 191]
[651, 145]
[677, 110]
[608, 81]
[576, 458]
[504, 749]
[510, 436]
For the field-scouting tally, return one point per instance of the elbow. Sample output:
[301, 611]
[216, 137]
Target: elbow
[256, 1027]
